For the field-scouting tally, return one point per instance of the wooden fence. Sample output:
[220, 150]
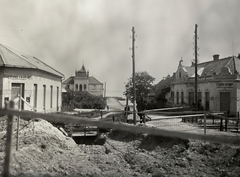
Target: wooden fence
[11, 112]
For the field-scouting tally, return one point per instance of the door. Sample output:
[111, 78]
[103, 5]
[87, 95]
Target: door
[17, 89]
[225, 101]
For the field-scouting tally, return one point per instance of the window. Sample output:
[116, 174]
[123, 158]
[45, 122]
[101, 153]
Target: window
[57, 97]
[199, 99]
[44, 96]
[35, 97]
[206, 101]
[51, 96]
[172, 95]
[76, 87]
[191, 98]
[85, 87]
[180, 75]
[177, 97]
[182, 98]
[80, 86]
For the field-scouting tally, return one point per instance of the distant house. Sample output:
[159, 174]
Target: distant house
[36, 82]
[218, 84]
[83, 82]
[164, 87]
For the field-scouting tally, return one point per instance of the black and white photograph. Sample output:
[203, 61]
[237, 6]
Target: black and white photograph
[107, 88]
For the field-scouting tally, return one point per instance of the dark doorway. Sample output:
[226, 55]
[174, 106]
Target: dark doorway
[225, 101]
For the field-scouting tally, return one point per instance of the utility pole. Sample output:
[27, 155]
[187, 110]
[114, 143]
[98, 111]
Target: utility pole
[105, 87]
[196, 62]
[133, 76]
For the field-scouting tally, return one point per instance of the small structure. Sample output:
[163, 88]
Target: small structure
[83, 82]
[37, 83]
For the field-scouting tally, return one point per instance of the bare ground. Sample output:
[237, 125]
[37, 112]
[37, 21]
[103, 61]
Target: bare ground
[45, 151]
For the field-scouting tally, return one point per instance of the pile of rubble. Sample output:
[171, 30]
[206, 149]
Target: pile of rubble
[45, 151]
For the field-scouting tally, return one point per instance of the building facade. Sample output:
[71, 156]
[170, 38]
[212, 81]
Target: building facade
[218, 85]
[39, 85]
[83, 82]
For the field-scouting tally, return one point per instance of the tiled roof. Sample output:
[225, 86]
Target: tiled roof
[82, 69]
[210, 67]
[70, 80]
[12, 58]
[93, 81]
[81, 74]
[164, 83]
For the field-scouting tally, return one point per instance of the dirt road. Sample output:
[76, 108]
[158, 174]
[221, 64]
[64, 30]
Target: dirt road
[114, 104]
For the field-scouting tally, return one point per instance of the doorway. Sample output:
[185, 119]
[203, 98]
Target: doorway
[224, 101]
[18, 89]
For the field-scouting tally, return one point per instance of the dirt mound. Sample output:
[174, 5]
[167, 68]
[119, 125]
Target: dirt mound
[39, 142]
[125, 136]
[47, 152]
[151, 142]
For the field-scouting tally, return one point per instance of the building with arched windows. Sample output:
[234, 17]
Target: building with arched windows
[83, 82]
[38, 84]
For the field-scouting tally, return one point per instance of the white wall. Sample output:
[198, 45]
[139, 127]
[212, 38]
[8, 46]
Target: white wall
[96, 89]
[29, 77]
[214, 94]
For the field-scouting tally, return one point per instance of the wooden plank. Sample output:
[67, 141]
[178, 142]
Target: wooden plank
[205, 126]
[84, 129]
[83, 134]
[123, 127]
[8, 148]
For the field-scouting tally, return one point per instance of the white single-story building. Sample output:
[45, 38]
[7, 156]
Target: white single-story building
[218, 84]
[36, 82]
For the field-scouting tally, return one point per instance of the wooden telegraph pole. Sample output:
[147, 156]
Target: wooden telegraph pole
[196, 75]
[133, 76]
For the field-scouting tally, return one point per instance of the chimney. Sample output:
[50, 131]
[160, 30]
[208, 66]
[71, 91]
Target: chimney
[215, 57]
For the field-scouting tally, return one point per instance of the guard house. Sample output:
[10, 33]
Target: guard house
[218, 84]
[37, 83]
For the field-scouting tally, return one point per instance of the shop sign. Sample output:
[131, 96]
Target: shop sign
[15, 77]
[225, 85]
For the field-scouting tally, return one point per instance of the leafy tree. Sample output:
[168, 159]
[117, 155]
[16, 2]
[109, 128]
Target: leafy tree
[83, 100]
[143, 86]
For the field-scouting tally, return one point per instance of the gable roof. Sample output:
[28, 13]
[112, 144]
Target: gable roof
[93, 81]
[82, 69]
[164, 83]
[12, 58]
[210, 67]
[70, 80]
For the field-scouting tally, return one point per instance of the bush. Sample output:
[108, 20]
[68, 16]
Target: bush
[82, 100]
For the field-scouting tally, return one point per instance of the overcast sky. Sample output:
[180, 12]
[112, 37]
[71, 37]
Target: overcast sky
[67, 33]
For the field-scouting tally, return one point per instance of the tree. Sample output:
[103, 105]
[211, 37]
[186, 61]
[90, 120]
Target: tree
[143, 85]
[83, 100]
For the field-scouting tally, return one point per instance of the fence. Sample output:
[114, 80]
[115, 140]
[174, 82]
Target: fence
[11, 112]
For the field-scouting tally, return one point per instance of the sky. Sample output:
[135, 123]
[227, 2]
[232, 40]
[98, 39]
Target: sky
[66, 34]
